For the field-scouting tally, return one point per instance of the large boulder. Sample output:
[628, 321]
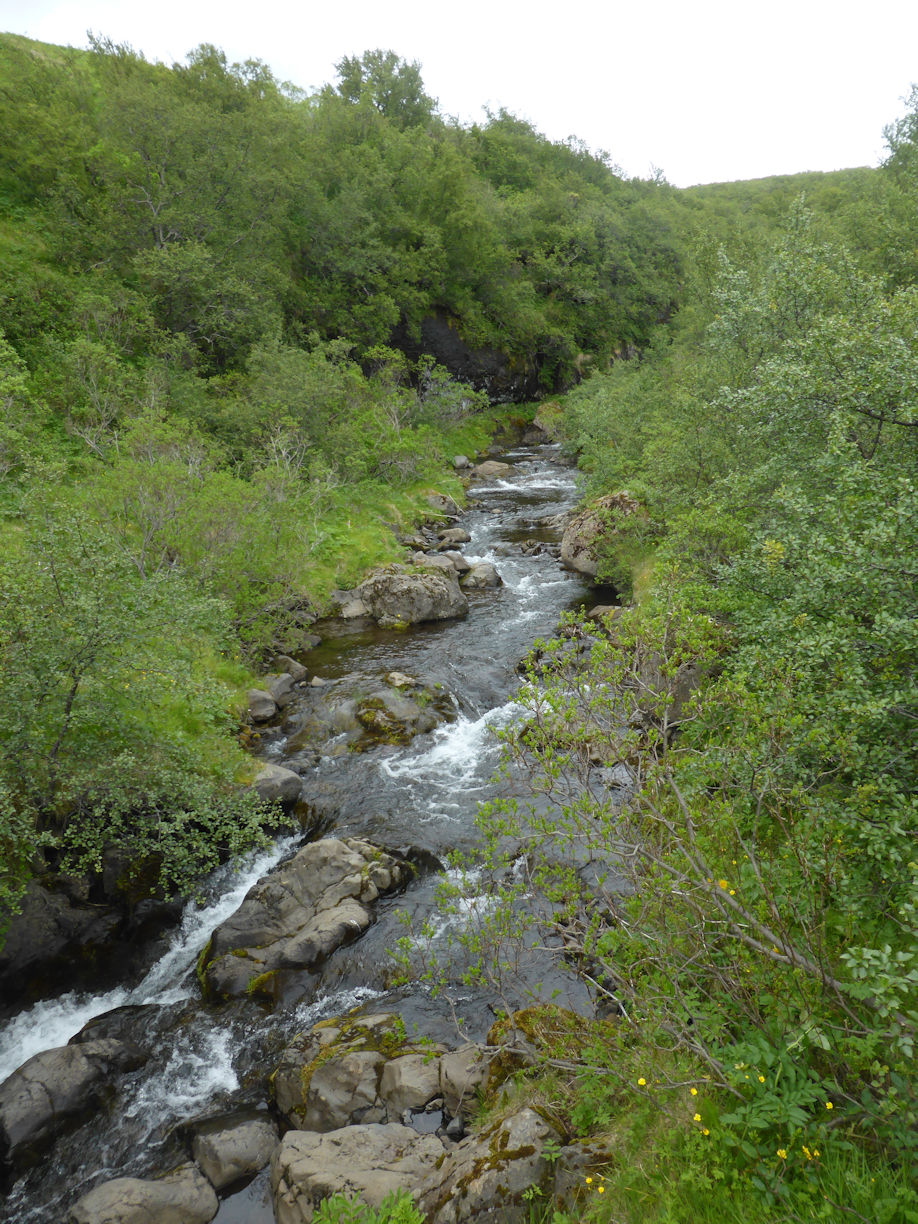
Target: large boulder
[296, 917]
[491, 1177]
[229, 1149]
[396, 595]
[371, 1161]
[589, 530]
[183, 1196]
[275, 784]
[55, 1089]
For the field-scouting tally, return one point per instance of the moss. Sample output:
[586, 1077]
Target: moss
[264, 984]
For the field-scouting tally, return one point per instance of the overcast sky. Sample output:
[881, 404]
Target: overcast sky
[704, 90]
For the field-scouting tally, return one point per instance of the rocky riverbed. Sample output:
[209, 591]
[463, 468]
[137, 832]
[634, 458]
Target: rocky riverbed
[229, 1077]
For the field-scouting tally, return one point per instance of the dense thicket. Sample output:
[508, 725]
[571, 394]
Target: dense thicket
[759, 926]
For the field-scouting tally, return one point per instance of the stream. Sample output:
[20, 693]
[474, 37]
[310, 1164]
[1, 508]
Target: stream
[210, 1059]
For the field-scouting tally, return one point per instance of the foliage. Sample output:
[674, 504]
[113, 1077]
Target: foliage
[396, 1208]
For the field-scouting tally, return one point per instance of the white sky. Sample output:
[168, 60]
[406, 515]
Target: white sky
[706, 90]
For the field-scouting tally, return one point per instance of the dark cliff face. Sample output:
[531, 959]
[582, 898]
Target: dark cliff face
[504, 379]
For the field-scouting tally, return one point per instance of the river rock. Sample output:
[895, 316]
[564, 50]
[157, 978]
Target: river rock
[461, 462]
[480, 576]
[462, 1073]
[262, 705]
[490, 1177]
[54, 1089]
[284, 663]
[275, 784]
[228, 1150]
[281, 689]
[355, 1070]
[587, 531]
[410, 1082]
[371, 1161]
[458, 562]
[453, 535]
[183, 1196]
[491, 467]
[49, 928]
[434, 560]
[397, 596]
[296, 917]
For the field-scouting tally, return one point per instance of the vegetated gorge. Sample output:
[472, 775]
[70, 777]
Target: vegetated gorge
[457, 638]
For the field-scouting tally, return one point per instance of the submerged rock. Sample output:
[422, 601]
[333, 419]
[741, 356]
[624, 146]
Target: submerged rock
[491, 467]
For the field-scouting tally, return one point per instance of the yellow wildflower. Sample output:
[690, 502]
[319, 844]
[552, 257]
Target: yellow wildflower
[697, 1118]
[782, 1152]
[724, 883]
[761, 1079]
[642, 1082]
[693, 1091]
[601, 1189]
[829, 1105]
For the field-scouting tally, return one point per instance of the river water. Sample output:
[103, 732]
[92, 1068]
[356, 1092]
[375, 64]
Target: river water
[205, 1059]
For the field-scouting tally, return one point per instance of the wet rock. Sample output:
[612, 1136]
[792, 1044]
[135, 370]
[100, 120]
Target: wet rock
[480, 577]
[491, 467]
[601, 611]
[535, 435]
[183, 1196]
[399, 680]
[275, 784]
[397, 596]
[262, 705]
[228, 1150]
[54, 1089]
[371, 1161]
[587, 532]
[490, 1177]
[294, 918]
